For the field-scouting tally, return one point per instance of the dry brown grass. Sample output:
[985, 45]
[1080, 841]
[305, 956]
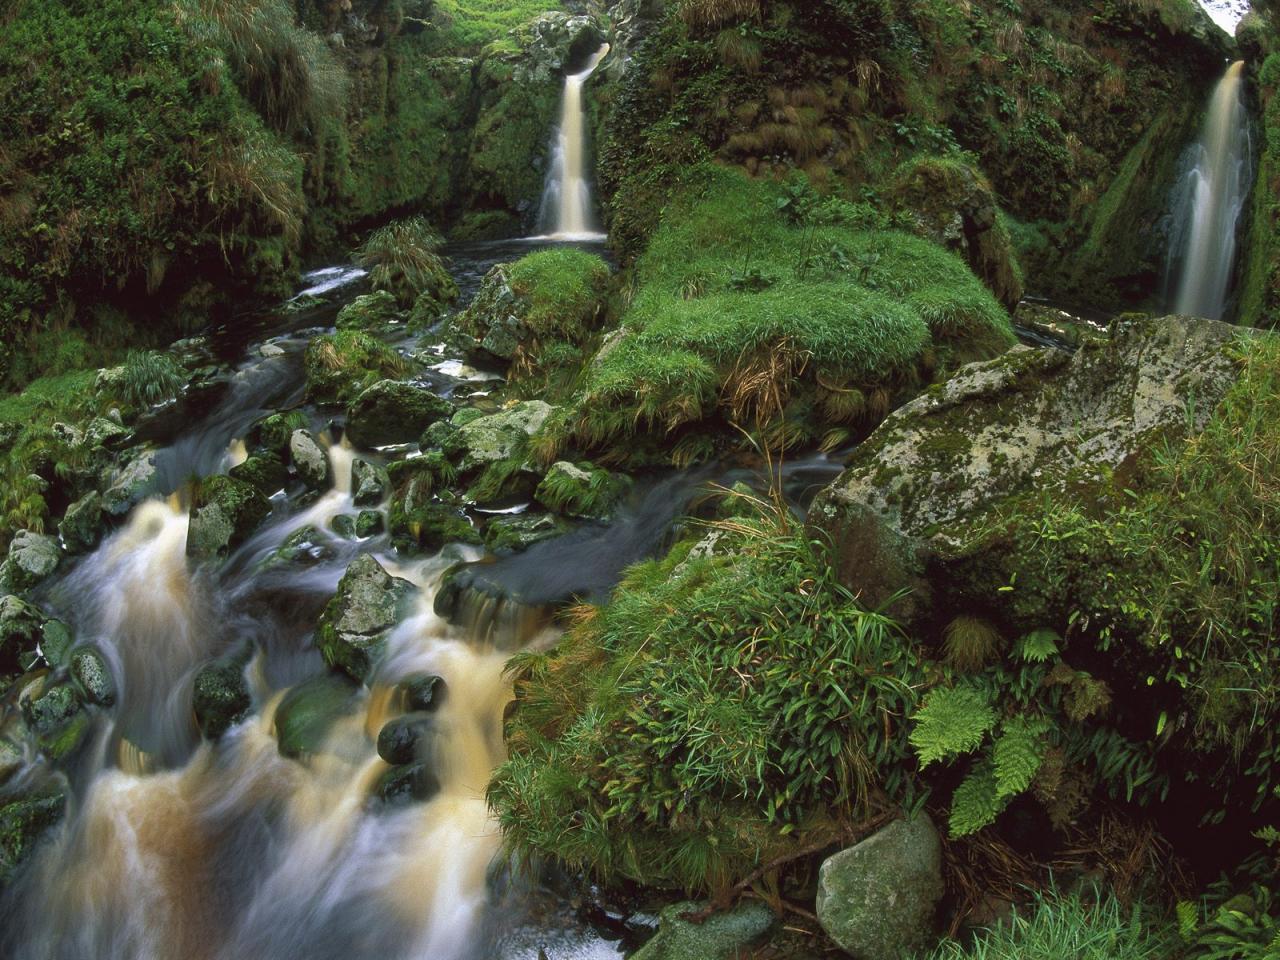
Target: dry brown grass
[712, 13]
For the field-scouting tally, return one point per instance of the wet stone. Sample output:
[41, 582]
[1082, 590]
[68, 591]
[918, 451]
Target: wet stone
[369, 523]
[423, 691]
[81, 526]
[265, 471]
[353, 629]
[220, 696]
[308, 712]
[56, 642]
[90, 670]
[309, 459]
[306, 546]
[368, 483]
[24, 819]
[344, 525]
[399, 739]
[409, 783]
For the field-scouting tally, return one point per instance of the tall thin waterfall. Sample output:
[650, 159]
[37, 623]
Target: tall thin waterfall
[1210, 200]
[566, 201]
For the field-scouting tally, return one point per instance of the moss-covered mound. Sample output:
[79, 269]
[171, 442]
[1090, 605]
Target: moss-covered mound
[341, 365]
[804, 322]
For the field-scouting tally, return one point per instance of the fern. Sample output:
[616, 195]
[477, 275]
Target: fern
[977, 802]
[1018, 753]
[954, 720]
[1038, 646]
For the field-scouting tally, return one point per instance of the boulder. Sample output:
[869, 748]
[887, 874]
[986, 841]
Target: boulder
[344, 525]
[309, 459]
[514, 534]
[32, 558]
[308, 712]
[339, 366]
[353, 629]
[427, 526]
[130, 485]
[423, 692]
[407, 783]
[220, 694]
[93, 676]
[272, 434]
[305, 546]
[264, 471]
[500, 436]
[877, 899]
[24, 819]
[581, 490]
[393, 412]
[56, 643]
[369, 523]
[722, 936]
[224, 512]
[368, 483]
[81, 526]
[399, 739]
[934, 474]
[20, 632]
[369, 312]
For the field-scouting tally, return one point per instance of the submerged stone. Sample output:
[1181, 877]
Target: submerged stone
[877, 899]
[423, 692]
[308, 712]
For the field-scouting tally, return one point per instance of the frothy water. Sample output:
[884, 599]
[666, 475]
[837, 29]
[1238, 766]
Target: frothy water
[1209, 202]
[566, 202]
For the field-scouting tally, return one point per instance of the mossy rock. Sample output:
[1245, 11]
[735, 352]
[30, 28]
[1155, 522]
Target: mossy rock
[310, 460]
[308, 712]
[514, 534]
[429, 527]
[131, 484]
[21, 626]
[390, 412]
[32, 559]
[272, 433]
[82, 525]
[93, 676]
[339, 366]
[370, 311]
[581, 490]
[224, 513]
[304, 547]
[369, 483]
[266, 472]
[24, 819]
[500, 436]
[220, 694]
[724, 935]
[353, 629]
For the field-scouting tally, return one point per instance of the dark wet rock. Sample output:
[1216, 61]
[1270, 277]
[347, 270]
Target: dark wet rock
[722, 936]
[428, 526]
[134, 482]
[369, 523]
[272, 434]
[224, 513]
[924, 489]
[877, 899]
[309, 459]
[20, 631]
[354, 627]
[91, 672]
[220, 696]
[305, 546]
[82, 524]
[423, 692]
[344, 525]
[513, 534]
[54, 712]
[409, 783]
[24, 820]
[369, 311]
[308, 712]
[368, 483]
[392, 412]
[398, 740]
[32, 558]
[266, 472]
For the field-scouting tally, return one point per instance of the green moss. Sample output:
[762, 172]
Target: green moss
[1260, 281]
[472, 24]
[341, 365]
[564, 289]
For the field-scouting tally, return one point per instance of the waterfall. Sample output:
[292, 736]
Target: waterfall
[1209, 202]
[566, 201]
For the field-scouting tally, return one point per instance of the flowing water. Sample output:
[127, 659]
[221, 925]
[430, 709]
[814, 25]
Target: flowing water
[1210, 200]
[566, 202]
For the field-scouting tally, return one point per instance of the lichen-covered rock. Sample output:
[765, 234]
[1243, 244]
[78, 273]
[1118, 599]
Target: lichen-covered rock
[369, 523]
[500, 436]
[24, 819]
[220, 695]
[305, 546]
[81, 526]
[224, 512]
[48, 705]
[308, 712]
[393, 412]
[92, 674]
[132, 484]
[722, 936]
[56, 643]
[354, 627]
[877, 899]
[309, 459]
[20, 631]
[368, 483]
[416, 525]
[32, 558]
[368, 312]
[1032, 420]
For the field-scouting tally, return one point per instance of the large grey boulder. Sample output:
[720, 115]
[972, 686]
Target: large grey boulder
[1032, 421]
[132, 484]
[390, 412]
[877, 899]
[722, 936]
[309, 459]
[500, 436]
[32, 558]
[353, 629]
[224, 513]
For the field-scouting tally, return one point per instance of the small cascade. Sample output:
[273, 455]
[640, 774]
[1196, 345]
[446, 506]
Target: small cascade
[566, 202]
[1210, 198]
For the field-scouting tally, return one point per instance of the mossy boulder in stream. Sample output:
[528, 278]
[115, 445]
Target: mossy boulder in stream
[131, 484]
[502, 435]
[391, 412]
[582, 490]
[220, 695]
[224, 512]
[93, 676]
[724, 935]
[24, 819]
[309, 459]
[81, 526]
[370, 311]
[368, 483]
[307, 713]
[338, 366]
[264, 471]
[32, 558]
[353, 629]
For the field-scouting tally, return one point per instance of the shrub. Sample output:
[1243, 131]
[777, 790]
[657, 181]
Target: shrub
[404, 259]
[724, 708]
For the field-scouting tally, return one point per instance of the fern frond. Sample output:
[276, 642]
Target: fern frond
[1039, 645]
[976, 802]
[953, 720]
[1018, 753]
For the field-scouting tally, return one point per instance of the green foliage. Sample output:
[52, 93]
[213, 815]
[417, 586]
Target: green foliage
[468, 25]
[839, 305]
[564, 290]
[723, 708]
[1260, 282]
[149, 377]
[403, 258]
[340, 365]
[952, 721]
[1057, 926]
[1244, 927]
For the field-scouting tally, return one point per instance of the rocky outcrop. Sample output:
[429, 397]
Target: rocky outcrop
[877, 899]
[1032, 420]
[501, 435]
[353, 630]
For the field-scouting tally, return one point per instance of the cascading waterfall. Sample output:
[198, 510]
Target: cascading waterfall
[566, 201]
[1209, 202]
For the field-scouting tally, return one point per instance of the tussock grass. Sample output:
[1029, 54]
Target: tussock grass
[403, 258]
